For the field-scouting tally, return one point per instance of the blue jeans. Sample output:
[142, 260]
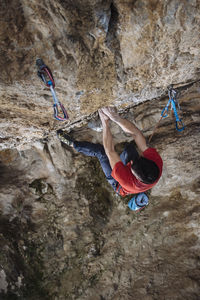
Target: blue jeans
[97, 150]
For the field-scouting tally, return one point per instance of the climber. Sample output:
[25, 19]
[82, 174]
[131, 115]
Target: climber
[129, 173]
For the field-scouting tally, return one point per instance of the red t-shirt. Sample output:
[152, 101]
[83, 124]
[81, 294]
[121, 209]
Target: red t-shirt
[129, 183]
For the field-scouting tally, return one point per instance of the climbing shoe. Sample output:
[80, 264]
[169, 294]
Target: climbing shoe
[65, 138]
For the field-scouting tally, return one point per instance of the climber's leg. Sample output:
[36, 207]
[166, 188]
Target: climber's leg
[97, 150]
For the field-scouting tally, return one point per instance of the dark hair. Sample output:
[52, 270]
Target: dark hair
[146, 169]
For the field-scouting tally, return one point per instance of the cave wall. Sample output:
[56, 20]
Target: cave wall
[101, 52]
[64, 233]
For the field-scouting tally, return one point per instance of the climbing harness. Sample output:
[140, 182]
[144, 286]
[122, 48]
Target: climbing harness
[46, 76]
[172, 93]
[138, 202]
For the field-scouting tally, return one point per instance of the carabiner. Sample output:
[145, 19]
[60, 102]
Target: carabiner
[177, 125]
[164, 112]
[45, 73]
[56, 107]
[56, 116]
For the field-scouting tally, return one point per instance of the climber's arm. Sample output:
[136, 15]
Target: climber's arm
[127, 127]
[108, 141]
[130, 128]
[109, 146]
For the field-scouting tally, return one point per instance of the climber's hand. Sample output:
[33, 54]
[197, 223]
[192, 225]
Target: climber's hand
[104, 118]
[111, 112]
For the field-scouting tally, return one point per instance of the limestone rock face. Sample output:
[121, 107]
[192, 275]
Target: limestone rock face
[66, 235]
[100, 52]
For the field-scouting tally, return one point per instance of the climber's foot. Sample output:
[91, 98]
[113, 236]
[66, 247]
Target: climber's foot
[65, 138]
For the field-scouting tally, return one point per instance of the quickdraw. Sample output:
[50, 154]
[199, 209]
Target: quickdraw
[174, 102]
[46, 76]
[175, 106]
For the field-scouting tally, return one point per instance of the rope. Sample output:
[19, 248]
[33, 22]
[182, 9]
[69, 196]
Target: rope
[155, 128]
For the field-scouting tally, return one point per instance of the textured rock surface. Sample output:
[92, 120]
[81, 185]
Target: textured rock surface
[101, 52]
[66, 235]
